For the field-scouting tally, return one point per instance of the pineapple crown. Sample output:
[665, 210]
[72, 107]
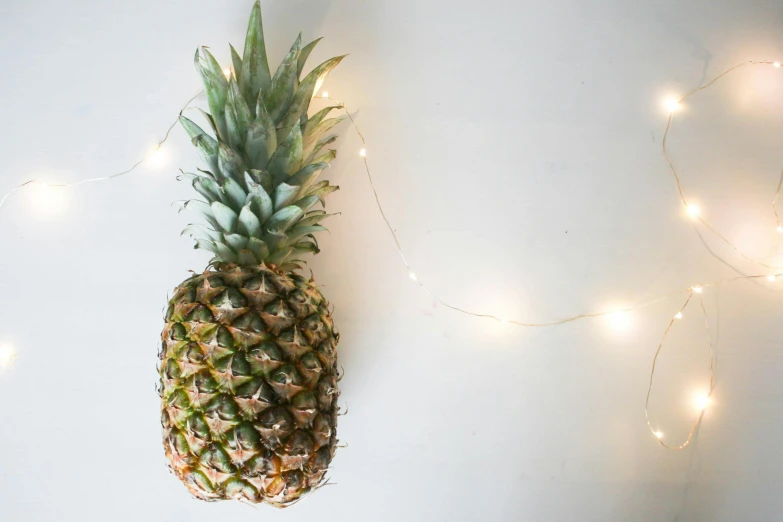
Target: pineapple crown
[263, 157]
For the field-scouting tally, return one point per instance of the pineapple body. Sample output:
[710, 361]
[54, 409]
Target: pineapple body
[248, 371]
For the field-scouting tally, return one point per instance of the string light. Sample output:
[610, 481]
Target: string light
[779, 229]
[771, 278]
[692, 210]
[227, 72]
[676, 174]
[38, 183]
[621, 316]
[7, 356]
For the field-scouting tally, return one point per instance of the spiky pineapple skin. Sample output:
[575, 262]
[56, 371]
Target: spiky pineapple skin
[248, 369]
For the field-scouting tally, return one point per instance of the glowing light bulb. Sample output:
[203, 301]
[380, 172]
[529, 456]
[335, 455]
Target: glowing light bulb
[702, 401]
[157, 158]
[620, 321]
[771, 278]
[7, 356]
[779, 229]
[672, 105]
[678, 315]
[776, 64]
[363, 153]
[227, 72]
[658, 434]
[698, 289]
[324, 94]
[692, 210]
[46, 199]
[413, 276]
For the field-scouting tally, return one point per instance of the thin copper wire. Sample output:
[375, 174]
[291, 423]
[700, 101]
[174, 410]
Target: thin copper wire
[697, 422]
[678, 181]
[690, 290]
[101, 178]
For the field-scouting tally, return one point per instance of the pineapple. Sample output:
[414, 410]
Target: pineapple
[248, 362]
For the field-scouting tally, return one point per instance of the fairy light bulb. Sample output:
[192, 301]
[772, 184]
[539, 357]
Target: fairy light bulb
[363, 153]
[658, 434]
[7, 356]
[47, 200]
[776, 64]
[779, 229]
[158, 157]
[771, 278]
[412, 276]
[620, 321]
[698, 289]
[702, 401]
[672, 105]
[227, 72]
[324, 94]
[678, 315]
[503, 320]
[692, 210]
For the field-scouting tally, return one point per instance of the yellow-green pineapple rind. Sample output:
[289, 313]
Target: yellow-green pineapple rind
[248, 370]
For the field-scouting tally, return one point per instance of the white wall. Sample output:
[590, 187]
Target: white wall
[516, 146]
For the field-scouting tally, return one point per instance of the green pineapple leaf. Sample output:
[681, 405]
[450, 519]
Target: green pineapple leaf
[313, 217]
[304, 55]
[287, 159]
[319, 116]
[249, 224]
[320, 144]
[204, 209]
[236, 61]
[225, 253]
[208, 188]
[301, 100]
[300, 231]
[230, 163]
[225, 217]
[328, 157]
[235, 194]
[284, 195]
[246, 258]
[281, 90]
[261, 139]
[236, 241]
[307, 202]
[255, 75]
[279, 256]
[201, 232]
[216, 87]
[284, 218]
[238, 117]
[258, 247]
[206, 144]
[307, 175]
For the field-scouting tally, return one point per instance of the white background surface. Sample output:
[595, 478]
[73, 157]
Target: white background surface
[516, 146]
